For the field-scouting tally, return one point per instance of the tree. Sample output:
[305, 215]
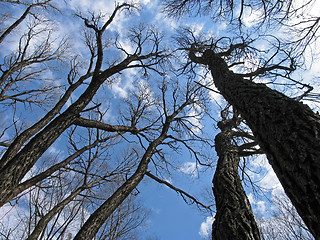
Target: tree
[234, 218]
[18, 159]
[286, 129]
[284, 223]
[170, 116]
[231, 11]
[73, 186]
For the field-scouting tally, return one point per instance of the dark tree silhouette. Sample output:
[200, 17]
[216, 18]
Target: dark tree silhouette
[99, 216]
[18, 159]
[287, 130]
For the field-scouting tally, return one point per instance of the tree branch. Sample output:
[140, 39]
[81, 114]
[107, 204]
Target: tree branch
[180, 191]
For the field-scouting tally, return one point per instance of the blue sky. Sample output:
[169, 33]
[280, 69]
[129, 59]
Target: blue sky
[170, 217]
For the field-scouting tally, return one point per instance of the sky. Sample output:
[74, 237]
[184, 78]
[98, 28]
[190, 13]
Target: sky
[169, 216]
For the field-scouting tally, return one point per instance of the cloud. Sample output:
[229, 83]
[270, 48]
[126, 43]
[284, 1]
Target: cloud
[97, 6]
[122, 88]
[190, 168]
[250, 18]
[251, 198]
[259, 206]
[267, 178]
[206, 227]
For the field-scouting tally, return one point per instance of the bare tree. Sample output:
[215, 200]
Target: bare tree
[61, 196]
[286, 129]
[230, 10]
[289, 139]
[164, 123]
[234, 217]
[24, 72]
[46, 4]
[29, 146]
[67, 190]
[285, 223]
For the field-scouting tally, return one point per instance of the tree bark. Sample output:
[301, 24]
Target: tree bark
[234, 218]
[287, 130]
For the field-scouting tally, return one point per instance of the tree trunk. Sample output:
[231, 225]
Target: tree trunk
[43, 222]
[287, 130]
[98, 218]
[17, 166]
[234, 218]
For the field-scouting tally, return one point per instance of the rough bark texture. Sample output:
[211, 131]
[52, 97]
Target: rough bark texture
[287, 130]
[234, 218]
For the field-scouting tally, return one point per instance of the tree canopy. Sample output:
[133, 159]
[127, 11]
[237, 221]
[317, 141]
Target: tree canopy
[97, 98]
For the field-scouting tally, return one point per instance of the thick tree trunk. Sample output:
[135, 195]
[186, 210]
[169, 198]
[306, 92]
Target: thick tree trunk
[234, 218]
[287, 130]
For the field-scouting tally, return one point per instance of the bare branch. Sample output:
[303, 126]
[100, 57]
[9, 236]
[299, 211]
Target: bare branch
[180, 191]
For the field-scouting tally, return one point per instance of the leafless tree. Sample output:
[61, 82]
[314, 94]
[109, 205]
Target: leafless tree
[234, 217]
[72, 186]
[168, 122]
[259, 104]
[61, 196]
[24, 70]
[229, 10]
[285, 223]
[286, 129]
[30, 144]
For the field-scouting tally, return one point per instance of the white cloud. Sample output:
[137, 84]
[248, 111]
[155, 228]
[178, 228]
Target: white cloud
[96, 6]
[267, 178]
[190, 168]
[261, 207]
[251, 198]
[250, 18]
[206, 227]
[121, 88]
[166, 22]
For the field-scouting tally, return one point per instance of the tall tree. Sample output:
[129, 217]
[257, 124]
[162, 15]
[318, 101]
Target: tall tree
[287, 130]
[234, 218]
[74, 187]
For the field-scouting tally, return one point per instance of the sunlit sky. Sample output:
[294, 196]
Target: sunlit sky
[169, 216]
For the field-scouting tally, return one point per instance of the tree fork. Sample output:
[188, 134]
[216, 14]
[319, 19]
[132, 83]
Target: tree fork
[287, 130]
